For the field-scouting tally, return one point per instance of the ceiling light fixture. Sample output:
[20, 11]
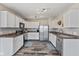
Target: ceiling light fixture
[43, 10]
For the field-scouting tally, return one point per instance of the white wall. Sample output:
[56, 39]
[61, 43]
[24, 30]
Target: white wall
[3, 8]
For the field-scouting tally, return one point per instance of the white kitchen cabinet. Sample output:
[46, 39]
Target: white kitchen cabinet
[7, 19]
[23, 21]
[0, 47]
[3, 18]
[10, 45]
[67, 47]
[18, 43]
[20, 20]
[32, 36]
[17, 21]
[6, 46]
[71, 18]
[59, 44]
[70, 47]
[52, 39]
[11, 20]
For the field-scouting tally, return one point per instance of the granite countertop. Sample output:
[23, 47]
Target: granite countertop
[32, 30]
[11, 34]
[65, 35]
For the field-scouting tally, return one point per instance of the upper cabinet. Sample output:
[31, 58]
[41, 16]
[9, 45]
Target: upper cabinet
[3, 19]
[8, 19]
[71, 18]
[20, 20]
[11, 19]
[23, 21]
[17, 21]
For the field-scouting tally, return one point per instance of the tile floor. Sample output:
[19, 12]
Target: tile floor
[37, 48]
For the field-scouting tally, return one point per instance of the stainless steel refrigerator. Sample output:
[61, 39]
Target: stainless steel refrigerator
[44, 33]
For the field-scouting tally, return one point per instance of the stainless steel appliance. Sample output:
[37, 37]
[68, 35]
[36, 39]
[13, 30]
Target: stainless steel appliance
[21, 25]
[43, 33]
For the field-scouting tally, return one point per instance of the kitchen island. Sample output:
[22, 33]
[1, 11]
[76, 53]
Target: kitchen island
[10, 43]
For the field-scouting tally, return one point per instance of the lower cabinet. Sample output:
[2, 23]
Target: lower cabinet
[52, 39]
[59, 43]
[10, 45]
[32, 36]
[18, 43]
[6, 48]
[68, 47]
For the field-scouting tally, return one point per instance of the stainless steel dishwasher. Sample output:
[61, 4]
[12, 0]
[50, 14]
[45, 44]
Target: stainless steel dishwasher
[43, 33]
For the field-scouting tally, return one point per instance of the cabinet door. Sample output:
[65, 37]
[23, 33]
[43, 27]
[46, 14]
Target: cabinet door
[3, 19]
[20, 20]
[66, 20]
[59, 42]
[74, 18]
[71, 19]
[17, 21]
[0, 48]
[71, 47]
[11, 20]
[52, 39]
[32, 36]
[7, 46]
[18, 43]
[23, 21]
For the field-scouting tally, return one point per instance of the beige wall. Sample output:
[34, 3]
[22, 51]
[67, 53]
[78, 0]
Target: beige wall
[4, 8]
[51, 22]
[54, 23]
[41, 21]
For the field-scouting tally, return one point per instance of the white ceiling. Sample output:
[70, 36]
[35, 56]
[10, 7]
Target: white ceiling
[38, 10]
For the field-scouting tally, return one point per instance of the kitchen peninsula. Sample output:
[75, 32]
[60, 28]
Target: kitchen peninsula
[10, 43]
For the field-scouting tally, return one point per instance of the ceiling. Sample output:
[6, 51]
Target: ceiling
[38, 10]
